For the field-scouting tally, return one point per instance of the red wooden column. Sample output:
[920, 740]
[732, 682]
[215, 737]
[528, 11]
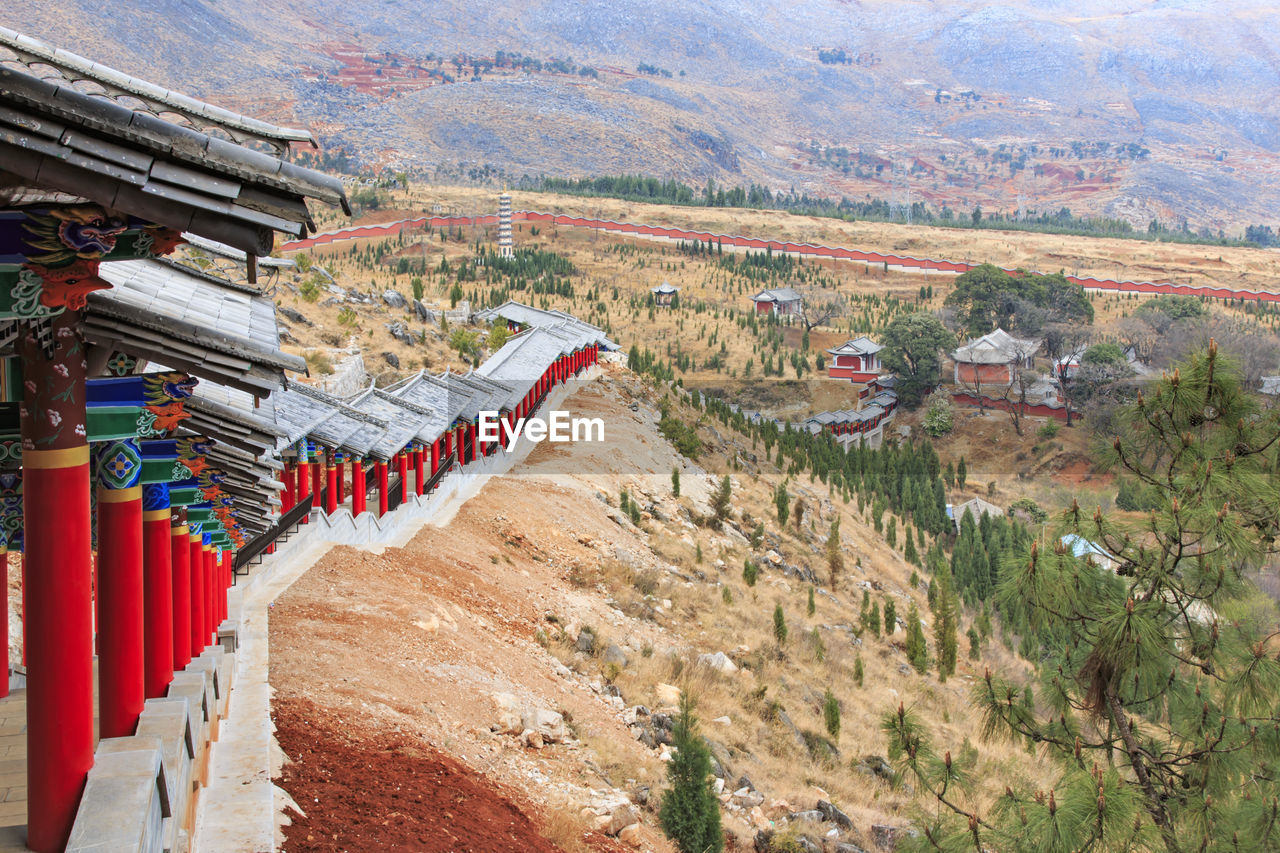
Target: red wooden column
[358, 489]
[317, 474]
[472, 433]
[435, 456]
[380, 470]
[287, 494]
[59, 610]
[195, 567]
[419, 482]
[402, 468]
[120, 596]
[211, 588]
[304, 478]
[331, 488]
[157, 591]
[180, 557]
[460, 444]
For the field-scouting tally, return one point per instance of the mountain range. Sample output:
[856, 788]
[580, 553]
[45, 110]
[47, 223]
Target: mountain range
[1137, 110]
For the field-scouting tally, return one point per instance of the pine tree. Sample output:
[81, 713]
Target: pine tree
[910, 553]
[781, 500]
[675, 482]
[873, 621]
[917, 648]
[835, 560]
[750, 572]
[779, 625]
[891, 533]
[945, 619]
[690, 812]
[1158, 709]
[975, 643]
[812, 606]
[757, 535]
[962, 473]
[858, 670]
[890, 617]
[720, 501]
[831, 714]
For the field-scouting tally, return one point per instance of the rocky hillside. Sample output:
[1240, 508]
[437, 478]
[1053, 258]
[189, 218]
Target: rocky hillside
[540, 638]
[1138, 110]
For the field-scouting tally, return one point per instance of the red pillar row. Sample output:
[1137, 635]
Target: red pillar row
[435, 456]
[339, 465]
[419, 481]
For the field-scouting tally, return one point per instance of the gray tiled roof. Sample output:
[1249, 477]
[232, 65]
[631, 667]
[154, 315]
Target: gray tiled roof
[55, 137]
[306, 412]
[206, 326]
[527, 315]
[403, 420]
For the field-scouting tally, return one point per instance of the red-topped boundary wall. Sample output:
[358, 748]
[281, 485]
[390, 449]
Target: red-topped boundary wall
[905, 262]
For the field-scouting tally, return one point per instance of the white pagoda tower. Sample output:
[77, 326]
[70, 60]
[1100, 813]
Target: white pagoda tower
[505, 248]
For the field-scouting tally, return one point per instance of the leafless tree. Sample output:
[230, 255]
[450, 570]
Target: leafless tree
[819, 306]
[1060, 341]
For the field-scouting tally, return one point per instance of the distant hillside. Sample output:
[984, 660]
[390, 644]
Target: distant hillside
[1164, 111]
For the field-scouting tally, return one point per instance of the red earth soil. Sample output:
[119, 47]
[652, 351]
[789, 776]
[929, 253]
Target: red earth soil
[383, 791]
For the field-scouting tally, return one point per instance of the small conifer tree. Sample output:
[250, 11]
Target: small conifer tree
[779, 625]
[690, 812]
[858, 670]
[835, 560]
[917, 648]
[831, 714]
[750, 572]
[890, 617]
[873, 620]
[811, 606]
[675, 482]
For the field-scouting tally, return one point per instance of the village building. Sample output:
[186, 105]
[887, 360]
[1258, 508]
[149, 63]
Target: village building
[857, 360]
[993, 359]
[782, 301]
[975, 509]
[664, 294]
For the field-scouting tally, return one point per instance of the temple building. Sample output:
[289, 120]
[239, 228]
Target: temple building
[782, 301]
[665, 294]
[857, 360]
[153, 443]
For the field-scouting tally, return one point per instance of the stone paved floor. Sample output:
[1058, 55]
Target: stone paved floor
[13, 771]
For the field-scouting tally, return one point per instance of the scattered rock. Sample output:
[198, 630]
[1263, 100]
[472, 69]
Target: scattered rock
[834, 815]
[719, 662]
[393, 299]
[668, 695]
[391, 359]
[875, 765]
[847, 847]
[811, 815]
[614, 655]
[423, 313]
[622, 817]
[400, 332]
[548, 723]
[630, 835]
[586, 642]
[509, 720]
[533, 739]
[293, 315]
[888, 836]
